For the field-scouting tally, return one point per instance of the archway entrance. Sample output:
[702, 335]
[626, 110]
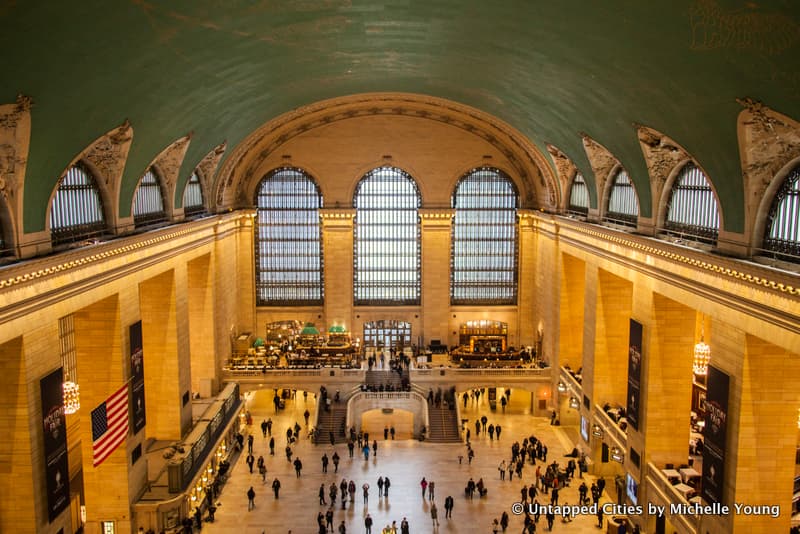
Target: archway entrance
[376, 421]
[385, 335]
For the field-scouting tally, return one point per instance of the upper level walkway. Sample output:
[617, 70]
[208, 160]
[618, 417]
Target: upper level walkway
[345, 379]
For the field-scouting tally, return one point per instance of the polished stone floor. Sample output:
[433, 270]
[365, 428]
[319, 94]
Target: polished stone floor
[405, 462]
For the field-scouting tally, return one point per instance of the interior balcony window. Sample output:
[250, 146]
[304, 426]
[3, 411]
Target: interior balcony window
[692, 211]
[76, 212]
[387, 239]
[578, 196]
[623, 203]
[783, 225]
[148, 206]
[193, 196]
[288, 245]
[484, 239]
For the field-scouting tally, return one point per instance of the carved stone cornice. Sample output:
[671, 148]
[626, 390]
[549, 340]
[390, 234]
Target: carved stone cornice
[108, 155]
[337, 218]
[602, 162]
[15, 132]
[662, 155]
[566, 172]
[169, 163]
[768, 141]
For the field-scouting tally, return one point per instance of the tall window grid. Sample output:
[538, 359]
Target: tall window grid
[783, 224]
[623, 204]
[193, 196]
[76, 211]
[578, 196]
[484, 239]
[288, 240]
[148, 207]
[387, 235]
[692, 210]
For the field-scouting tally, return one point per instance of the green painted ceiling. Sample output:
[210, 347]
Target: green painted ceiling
[221, 68]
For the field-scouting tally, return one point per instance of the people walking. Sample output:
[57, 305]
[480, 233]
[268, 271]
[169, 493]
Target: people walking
[434, 515]
[386, 484]
[298, 466]
[335, 459]
[431, 487]
[365, 490]
[368, 524]
[276, 487]
[424, 485]
[251, 498]
[448, 507]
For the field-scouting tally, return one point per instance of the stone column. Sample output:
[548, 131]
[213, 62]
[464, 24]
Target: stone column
[102, 368]
[201, 325]
[337, 248]
[571, 311]
[526, 281]
[167, 376]
[436, 226]
[762, 430]
[668, 341]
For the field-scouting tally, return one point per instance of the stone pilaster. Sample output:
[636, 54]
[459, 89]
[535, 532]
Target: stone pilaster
[337, 243]
[573, 285]
[526, 280]
[102, 369]
[436, 226]
[614, 298]
[201, 315]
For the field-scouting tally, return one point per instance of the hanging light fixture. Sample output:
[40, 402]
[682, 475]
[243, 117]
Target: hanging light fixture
[562, 387]
[702, 355]
[72, 396]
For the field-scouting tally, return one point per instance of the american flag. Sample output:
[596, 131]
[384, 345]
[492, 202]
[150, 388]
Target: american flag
[109, 425]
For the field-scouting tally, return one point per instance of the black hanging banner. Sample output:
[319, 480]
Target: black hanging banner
[634, 373]
[137, 377]
[54, 429]
[714, 434]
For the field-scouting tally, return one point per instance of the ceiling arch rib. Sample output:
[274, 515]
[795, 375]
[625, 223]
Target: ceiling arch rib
[530, 166]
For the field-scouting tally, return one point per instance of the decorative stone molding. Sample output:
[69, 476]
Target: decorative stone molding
[662, 155]
[566, 172]
[602, 162]
[768, 141]
[207, 167]
[168, 163]
[15, 133]
[433, 218]
[529, 164]
[108, 155]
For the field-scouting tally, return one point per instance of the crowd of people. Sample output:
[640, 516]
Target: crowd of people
[528, 462]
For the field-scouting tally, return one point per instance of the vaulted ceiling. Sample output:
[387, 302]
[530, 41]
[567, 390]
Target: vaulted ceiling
[553, 70]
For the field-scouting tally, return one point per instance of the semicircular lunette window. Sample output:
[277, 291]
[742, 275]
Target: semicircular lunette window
[76, 212]
[148, 207]
[783, 225]
[692, 211]
[623, 203]
[193, 196]
[288, 240]
[484, 239]
[578, 196]
[387, 239]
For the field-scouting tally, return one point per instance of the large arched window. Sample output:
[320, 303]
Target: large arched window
[623, 204]
[193, 196]
[148, 207]
[578, 196]
[76, 212]
[783, 224]
[484, 239]
[692, 206]
[288, 245]
[386, 248]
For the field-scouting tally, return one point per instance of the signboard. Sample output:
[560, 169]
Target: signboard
[138, 417]
[715, 433]
[54, 429]
[634, 373]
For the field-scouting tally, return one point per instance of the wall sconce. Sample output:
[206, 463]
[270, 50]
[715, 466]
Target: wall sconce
[562, 387]
[574, 403]
[72, 396]
[617, 455]
[597, 431]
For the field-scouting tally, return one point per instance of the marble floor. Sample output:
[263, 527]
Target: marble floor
[405, 462]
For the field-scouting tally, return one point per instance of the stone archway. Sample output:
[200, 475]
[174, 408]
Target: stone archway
[377, 420]
[387, 403]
